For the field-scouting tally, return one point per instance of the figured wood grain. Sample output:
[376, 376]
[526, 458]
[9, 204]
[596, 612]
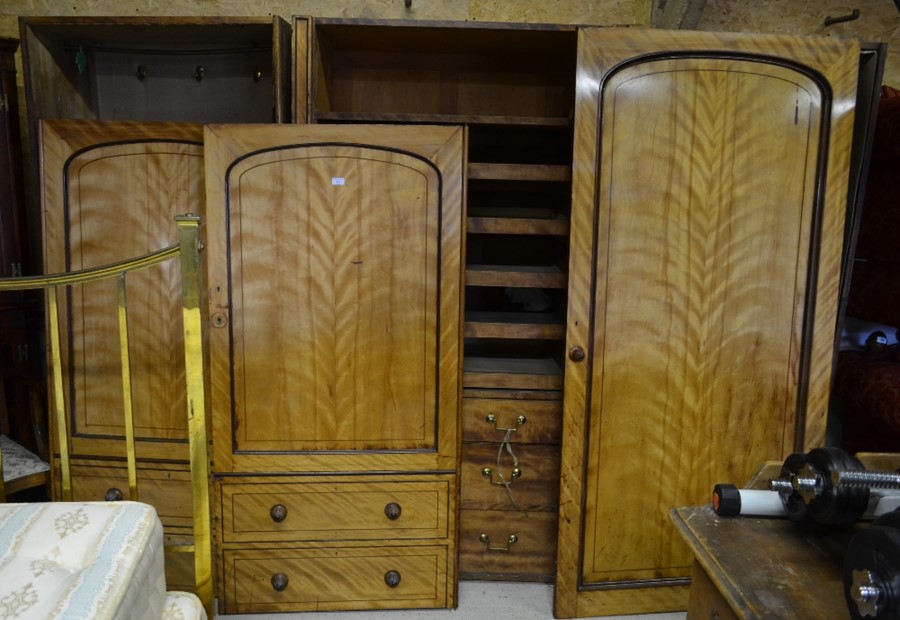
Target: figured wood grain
[352, 234]
[336, 509]
[110, 192]
[318, 578]
[703, 193]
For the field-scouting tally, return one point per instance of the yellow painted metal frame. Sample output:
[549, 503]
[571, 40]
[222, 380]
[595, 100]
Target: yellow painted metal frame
[188, 250]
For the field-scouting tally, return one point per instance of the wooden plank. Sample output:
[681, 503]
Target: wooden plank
[517, 223]
[519, 172]
[516, 276]
[512, 373]
[525, 325]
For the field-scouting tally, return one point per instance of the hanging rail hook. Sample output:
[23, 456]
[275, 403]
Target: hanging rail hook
[830, 21]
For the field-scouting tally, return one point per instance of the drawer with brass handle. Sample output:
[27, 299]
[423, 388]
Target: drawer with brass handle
[336, 509]
[533, 477]
[525, 420]
[335, 578]
[510, 545]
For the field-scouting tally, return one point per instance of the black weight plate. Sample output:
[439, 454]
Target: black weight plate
[875, 549]
[794, 505]
[836, 505]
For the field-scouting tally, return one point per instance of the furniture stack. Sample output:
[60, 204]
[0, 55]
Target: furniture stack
[495, 286]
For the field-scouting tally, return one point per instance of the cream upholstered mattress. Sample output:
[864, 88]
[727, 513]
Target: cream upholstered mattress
[93, 560]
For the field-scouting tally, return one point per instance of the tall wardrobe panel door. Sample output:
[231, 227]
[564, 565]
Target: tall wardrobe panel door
[709, 192]
[111, 191]
[718, 238]
[341, 289]
[343, 234]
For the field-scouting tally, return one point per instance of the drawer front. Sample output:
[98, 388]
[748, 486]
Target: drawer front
[167, 488]
[537, 488]
[335, 578]
[534, 421]
[532, 557]
[312, 511]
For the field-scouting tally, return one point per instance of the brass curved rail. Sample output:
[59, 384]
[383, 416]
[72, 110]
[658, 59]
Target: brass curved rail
[188, 250]
[83, 276]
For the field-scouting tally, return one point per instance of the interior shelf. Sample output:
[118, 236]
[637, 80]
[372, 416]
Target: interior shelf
[535, 276]
[523, 221]
[530, 325]
[519, 172]
[512, 373]
[504, 85]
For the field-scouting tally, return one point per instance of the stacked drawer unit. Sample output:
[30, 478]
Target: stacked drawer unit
[510, 473]
[336, 542]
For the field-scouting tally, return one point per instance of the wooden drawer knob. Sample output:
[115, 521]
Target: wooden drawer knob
[279, 582]
[392, 578]
[113, 495]
[278, 512]
[392, 511]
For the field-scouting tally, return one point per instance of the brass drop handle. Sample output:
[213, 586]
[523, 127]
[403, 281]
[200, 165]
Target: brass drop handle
[113, 495]
[487, 472]
[486, 541]
[278, 512]
[492, 420]
[392, 578]
[392, 511]
[279, 582]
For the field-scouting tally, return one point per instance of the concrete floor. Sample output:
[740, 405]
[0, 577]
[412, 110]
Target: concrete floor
[478, 600]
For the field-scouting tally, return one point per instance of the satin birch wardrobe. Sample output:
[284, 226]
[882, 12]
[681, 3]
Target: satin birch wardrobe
[501, 295]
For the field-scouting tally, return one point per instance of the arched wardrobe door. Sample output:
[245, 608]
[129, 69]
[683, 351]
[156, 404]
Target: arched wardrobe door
[710, 188]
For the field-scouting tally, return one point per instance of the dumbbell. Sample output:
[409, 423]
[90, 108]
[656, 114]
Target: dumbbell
[826, 485]
[872, 570]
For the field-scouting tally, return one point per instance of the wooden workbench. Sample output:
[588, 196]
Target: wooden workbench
[762, 567]
[768, 567]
